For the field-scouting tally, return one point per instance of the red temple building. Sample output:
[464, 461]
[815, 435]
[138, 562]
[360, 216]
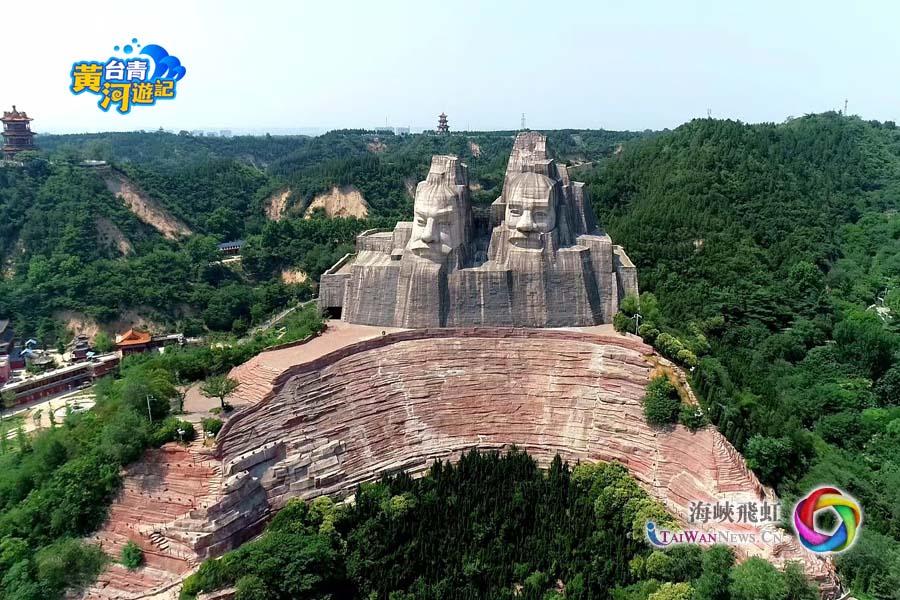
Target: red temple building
[17, 134]
[133, 341]
[442, 127]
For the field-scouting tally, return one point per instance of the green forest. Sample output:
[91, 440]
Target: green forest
[768, 263]
[490, 526]
[55, 259]
[770, 252]
[56, 486]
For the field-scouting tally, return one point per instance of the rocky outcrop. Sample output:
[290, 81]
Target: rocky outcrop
[293, 276]
[109, 235]
[164, 486]
[276, 204]
[144, 207]
[345, 201]
[401, 400]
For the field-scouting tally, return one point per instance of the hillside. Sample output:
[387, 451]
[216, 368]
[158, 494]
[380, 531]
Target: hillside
[768, 251]
[765, 250]
[140, 235]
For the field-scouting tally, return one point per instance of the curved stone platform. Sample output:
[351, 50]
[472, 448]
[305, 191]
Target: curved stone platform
[401, 400]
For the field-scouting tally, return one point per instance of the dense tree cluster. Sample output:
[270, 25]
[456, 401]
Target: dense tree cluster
[490, 526]
[57, 485]
[770, 253]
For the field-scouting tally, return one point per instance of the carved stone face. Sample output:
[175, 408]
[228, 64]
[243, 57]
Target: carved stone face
[530, 209]
[437, 223]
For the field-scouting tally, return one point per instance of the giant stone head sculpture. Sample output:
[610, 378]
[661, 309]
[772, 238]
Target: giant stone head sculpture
[441, 211]
[531, 206]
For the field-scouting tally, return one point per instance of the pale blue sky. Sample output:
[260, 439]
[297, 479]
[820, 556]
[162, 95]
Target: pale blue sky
[279, 66]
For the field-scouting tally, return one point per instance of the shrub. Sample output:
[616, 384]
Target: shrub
[658, 566]
[250, 587]
[65, 563]
[621, 322]
[669, 345]
[212, 426]
[631, 305]
[674, 591]
[771, 458]
[692, 417]
[687, 358]
[756, 579]
[168, 432]
[132, 556]
[713, 582]
[661, 403]
[648, 333]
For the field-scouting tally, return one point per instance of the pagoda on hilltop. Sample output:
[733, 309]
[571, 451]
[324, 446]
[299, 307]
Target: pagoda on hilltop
[17, 134]
[442, 127]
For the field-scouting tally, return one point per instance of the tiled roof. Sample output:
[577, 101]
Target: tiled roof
[132, 337]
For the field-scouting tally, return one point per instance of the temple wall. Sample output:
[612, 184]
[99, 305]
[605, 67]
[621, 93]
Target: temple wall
[585, 214]
[572, 294]
[332, 284]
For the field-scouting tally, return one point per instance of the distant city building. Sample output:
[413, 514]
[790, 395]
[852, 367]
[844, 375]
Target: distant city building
[17, 134]
[197, 133]
[401, 130]
[443, 127]
[384, 130]
[225, 133]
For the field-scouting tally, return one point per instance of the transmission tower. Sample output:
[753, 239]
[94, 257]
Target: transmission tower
[523, 120]
[845, 107]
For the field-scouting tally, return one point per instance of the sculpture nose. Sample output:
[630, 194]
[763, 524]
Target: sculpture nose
[525, 223]
[428, 232]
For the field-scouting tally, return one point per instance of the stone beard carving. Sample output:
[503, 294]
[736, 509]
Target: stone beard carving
[548, 265]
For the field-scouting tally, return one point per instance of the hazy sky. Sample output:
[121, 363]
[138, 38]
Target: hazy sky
[268, 65]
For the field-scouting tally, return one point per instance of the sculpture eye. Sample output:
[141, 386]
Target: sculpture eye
[515, 211]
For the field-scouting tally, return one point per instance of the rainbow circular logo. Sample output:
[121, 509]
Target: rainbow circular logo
[847, 511]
